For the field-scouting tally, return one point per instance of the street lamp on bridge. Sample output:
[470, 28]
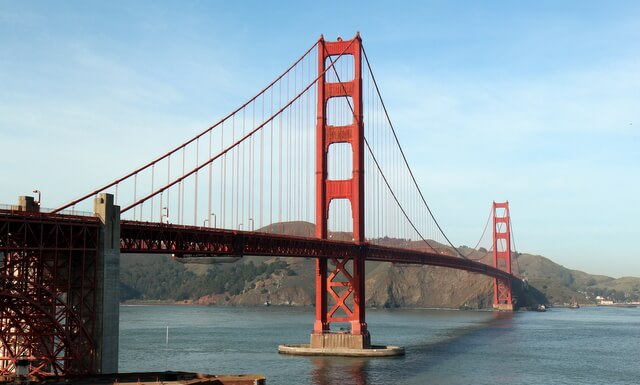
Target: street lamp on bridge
[36, 191]
[165, 214]
[204, 224]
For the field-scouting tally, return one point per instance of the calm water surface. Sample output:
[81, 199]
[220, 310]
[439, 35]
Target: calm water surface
[561, 346]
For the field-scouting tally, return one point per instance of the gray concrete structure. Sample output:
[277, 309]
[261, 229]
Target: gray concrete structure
[26, 203]
[108, 296]
[373, 351]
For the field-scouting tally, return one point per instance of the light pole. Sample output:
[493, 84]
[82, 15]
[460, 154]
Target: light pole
[251, 220]
[36, 191]
[214, 219]
[239, 226]
[165, 214]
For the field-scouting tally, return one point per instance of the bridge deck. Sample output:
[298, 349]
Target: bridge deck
[143, 237]
[147, 237]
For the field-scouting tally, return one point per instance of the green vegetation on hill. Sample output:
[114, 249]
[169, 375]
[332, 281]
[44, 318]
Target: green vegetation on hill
[561, 285]
[291, 281]
[158, 277]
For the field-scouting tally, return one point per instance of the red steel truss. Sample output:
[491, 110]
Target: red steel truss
[502, 255]
[158, 238]
[344, 283]
[48, 292]
[48, 276]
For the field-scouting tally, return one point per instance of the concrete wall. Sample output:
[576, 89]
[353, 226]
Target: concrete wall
[108, 285]
[26, 203]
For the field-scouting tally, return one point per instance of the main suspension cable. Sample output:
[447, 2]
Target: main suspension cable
[424, 201]
[237, 143]
[183, 145]
[393, 194]
[486, 225]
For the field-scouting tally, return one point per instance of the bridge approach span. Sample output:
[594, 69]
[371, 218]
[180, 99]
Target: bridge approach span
[145, 237]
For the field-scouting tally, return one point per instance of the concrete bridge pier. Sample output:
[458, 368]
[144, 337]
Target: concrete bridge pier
[107, 287]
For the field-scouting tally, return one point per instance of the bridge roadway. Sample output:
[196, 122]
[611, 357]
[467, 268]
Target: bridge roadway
[193, 241]
[145, 237]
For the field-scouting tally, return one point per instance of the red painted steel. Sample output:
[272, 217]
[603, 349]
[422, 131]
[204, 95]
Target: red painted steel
[160, 238]
[344, 283]
[48, 276]
[48, 292]
[502, 254]
[183, 145]
[49, 262]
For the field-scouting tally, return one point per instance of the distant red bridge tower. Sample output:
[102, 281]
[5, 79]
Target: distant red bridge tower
[502, 298]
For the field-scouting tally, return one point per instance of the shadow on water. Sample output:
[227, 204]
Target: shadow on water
[412, 368]
[500, 324]
[424, 362]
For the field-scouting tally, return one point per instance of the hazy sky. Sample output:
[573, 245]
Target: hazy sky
[534, 102]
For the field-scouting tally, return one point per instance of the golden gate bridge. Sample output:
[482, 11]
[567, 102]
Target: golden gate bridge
[316, 145]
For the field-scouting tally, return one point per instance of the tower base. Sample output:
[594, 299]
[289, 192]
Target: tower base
[340, 341]
[503, 306]
[373, 351]
[341, 344]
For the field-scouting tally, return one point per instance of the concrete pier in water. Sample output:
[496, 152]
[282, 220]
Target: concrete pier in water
[108, 296]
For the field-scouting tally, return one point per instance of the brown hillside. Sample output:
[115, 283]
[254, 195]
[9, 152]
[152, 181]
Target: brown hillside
[292, 280]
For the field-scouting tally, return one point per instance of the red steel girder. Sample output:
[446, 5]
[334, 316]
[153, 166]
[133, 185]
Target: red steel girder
[340, 298]
[159, 238]
[48, 292]
[351, 300]
[39, 251]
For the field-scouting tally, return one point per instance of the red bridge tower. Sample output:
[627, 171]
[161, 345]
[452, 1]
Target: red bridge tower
[343, 285]
[502, 299]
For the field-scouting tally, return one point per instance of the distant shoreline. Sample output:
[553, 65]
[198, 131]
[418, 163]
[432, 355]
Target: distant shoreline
[147, 302]
[191, 303]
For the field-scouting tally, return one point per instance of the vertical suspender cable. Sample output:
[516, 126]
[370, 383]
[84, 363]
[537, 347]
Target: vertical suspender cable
[251, 168]
[223, 184]
[209, 208]
[280, 151]
[135, 192]
[242, 202]
[233, 176]
[195, 192]
[288, 152]
[271, 166]
[262, 168]
[152, 187]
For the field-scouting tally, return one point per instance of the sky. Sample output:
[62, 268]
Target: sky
[537, 103]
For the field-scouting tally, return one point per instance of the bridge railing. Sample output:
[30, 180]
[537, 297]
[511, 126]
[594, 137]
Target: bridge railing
[46, 210]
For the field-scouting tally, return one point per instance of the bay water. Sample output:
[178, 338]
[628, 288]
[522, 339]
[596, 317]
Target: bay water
[590, 345]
